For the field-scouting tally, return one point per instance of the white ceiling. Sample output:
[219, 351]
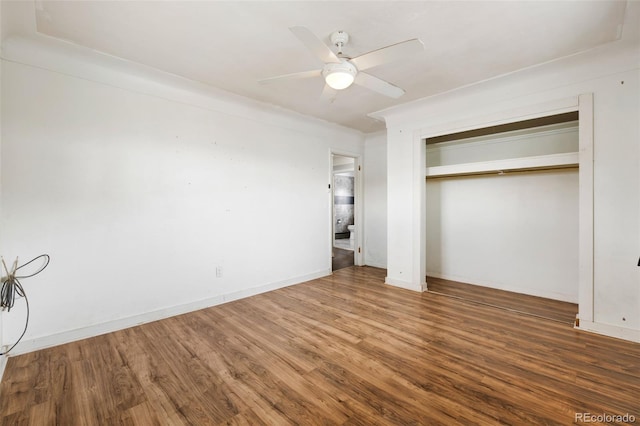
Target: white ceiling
[231, 45]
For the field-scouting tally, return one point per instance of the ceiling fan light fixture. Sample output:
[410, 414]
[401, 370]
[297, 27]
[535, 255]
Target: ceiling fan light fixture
[339, 76]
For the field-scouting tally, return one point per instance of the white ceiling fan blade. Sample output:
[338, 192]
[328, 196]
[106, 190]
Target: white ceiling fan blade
[315, 45]
[292, 76]
[328, 93]
[388, 54]
[377, 85]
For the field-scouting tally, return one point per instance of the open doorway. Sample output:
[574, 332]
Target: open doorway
[344, 214]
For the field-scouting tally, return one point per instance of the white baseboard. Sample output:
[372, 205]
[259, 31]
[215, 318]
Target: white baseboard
[376, 265]
[107, 327]
[610, 330]
[408, 285]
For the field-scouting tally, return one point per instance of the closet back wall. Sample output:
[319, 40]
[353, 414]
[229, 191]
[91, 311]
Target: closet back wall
[517, 232]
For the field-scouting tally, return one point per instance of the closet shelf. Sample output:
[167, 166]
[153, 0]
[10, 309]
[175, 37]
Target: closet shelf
[541, 162]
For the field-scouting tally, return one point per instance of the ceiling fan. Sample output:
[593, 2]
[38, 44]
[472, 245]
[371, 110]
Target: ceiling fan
[340, 71]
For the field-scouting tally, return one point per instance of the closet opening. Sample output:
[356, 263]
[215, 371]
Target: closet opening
[502, 215]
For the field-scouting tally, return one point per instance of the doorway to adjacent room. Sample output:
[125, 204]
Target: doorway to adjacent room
[343, 211]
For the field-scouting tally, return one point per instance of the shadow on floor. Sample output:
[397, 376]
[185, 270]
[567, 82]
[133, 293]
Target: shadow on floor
[341, 259]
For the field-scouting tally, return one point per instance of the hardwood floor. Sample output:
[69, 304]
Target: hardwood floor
[341, 350]
[537, 306]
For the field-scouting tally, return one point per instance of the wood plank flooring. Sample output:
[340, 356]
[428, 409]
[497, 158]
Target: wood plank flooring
[341, 350]
[537, 306]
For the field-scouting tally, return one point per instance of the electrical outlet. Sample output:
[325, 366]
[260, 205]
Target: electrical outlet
[218, 271]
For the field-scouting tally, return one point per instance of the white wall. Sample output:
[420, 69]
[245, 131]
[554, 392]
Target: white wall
[375, 200]
[139, 191]
[612, 74]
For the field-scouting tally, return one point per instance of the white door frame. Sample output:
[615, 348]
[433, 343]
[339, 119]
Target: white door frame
[358, 213]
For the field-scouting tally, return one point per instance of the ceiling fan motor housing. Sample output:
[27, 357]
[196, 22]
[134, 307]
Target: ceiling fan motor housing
[339, 39]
